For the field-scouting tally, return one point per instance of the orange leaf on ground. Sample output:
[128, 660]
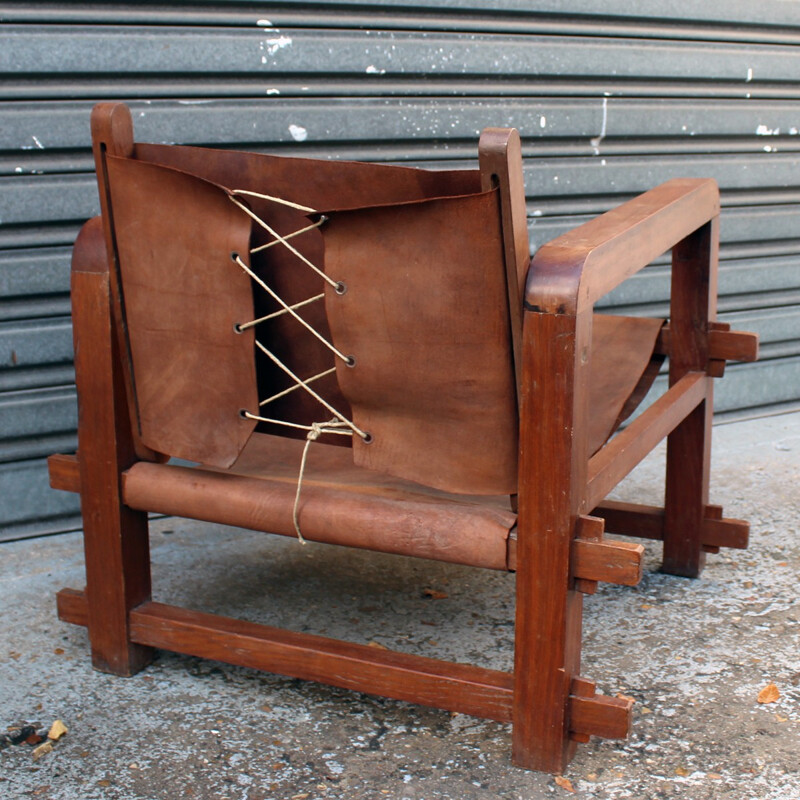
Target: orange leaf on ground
[434, 594]
[769, 694]
[565, 783]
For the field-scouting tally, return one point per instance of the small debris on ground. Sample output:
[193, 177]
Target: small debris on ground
[564, 783]
[57, 730]
[434, 594]
[769, 694]
[42, 750]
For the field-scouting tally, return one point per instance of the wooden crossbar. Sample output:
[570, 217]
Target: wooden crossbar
[455, 687]
[647, 522]
[611, 464]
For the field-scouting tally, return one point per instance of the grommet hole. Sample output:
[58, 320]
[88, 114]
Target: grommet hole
[350, 361]
[367, 439]
[340, 288]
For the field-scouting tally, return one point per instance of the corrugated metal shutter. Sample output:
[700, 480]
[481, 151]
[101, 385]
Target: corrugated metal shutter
[610, 97]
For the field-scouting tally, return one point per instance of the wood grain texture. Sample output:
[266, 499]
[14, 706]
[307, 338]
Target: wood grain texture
[608, 560]
[723, 345]
[609, 717]
[553, 460]
[500, 159]
[692, 309]
[441, 684]
[115, 537]
[573, 271]
[72, 607]
[64, 472]
[631, 519]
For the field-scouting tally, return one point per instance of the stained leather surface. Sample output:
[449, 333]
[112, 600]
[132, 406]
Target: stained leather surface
[425, 316]
[318, 184]
[182, 295]
[339, 503]
[623, 369]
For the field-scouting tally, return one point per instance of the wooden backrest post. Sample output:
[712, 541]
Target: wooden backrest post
[500, 159]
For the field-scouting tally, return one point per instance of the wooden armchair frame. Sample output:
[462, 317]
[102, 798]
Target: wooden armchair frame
[557, 549]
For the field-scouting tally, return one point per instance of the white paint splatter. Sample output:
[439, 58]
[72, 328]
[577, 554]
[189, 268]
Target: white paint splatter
[768, 148]
[749, 75]
[792, 131]
[299, 133]
[763, 130]
[37, 142]
[543, 121]
[273, 45]
[263, 23]
[596, 141]
[373, 70]
[194, 102]
[18, 169]
[273, 91]
[537, 212]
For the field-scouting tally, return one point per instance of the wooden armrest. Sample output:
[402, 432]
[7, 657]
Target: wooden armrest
[572, 272]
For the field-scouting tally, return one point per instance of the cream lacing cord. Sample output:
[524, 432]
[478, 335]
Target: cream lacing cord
[338, 424]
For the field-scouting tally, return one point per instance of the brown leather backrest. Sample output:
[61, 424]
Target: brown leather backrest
[192, 372]
[425, 312]
[425, 317]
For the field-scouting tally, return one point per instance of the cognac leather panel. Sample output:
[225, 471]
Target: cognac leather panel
[316, 184]
[182, 294]
[623, 369]
[425, 316]
[339, 503]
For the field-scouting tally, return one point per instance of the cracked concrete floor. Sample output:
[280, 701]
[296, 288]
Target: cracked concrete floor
[694, 654]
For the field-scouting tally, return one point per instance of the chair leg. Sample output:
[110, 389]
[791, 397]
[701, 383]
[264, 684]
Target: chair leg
[693, 307]
[115, 537]
[686, 496]
[552, 471]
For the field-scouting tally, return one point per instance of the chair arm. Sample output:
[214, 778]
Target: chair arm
[570, 273]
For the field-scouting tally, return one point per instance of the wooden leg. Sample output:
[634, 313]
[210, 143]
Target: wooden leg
[553, 462]
[115, 537]
[688, 461]
[693, 308]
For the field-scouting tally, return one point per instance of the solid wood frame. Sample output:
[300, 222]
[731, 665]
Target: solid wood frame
[557, 550]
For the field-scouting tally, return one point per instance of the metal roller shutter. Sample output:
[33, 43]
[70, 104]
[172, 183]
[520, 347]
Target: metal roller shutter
[610, 97]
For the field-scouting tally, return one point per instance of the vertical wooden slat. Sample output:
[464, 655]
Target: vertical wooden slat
[693, 306]
[553, 463]
[115, 537]
[500, 157]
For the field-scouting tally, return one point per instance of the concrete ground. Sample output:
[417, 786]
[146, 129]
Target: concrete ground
[694, 654]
